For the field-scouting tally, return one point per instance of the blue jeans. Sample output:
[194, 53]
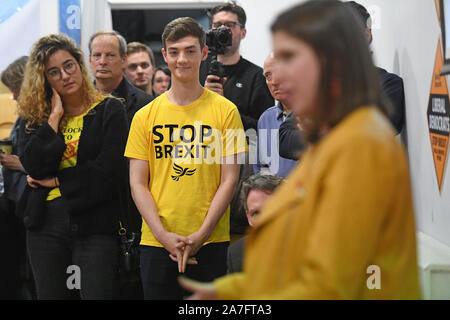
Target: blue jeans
[159, 273]
[52, 250]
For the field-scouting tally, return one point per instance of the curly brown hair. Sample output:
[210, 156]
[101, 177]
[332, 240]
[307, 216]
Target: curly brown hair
[34, 103]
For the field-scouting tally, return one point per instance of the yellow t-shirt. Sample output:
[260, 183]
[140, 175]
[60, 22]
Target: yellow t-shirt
[183, 146]
[71, 133]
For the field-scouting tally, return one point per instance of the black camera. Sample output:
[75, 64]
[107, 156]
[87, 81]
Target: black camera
[217, 40]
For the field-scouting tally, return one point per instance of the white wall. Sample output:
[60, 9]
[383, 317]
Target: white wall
[260, 15]
[405, 38]
[406, 35]
[406, 43]
[49, 17]
[96, 16]
[18, 31]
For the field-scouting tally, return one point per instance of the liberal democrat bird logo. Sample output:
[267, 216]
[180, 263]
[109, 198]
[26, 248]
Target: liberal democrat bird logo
[180, 171]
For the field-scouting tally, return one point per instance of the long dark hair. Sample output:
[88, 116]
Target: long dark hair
[336, 34]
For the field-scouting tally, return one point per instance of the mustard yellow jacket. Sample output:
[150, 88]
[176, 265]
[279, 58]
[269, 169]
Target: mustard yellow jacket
[340, 227]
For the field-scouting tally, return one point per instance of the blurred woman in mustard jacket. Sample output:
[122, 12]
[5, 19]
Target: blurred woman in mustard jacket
[342, 225]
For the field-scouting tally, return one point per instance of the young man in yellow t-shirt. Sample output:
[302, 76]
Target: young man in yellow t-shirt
[183, 149]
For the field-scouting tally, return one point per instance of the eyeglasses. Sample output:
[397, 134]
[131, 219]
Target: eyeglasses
[55, 73]
[228, 24]
[133, 67]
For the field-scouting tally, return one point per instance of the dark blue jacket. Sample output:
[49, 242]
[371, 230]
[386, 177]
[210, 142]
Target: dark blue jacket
[392, 86]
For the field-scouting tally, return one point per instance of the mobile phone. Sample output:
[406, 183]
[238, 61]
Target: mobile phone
[48, 91]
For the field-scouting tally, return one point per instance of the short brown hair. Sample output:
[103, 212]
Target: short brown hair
[12, 76]
[183, 27]
[229, 7]
[134, 47]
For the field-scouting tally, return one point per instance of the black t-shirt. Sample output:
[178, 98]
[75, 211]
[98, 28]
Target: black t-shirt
[246, 87]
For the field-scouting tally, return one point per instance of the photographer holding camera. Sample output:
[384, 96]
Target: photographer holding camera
[238, 80]
[242, 82]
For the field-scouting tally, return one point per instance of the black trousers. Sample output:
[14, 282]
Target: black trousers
[159, 273]
[11, 247]
[67, 267]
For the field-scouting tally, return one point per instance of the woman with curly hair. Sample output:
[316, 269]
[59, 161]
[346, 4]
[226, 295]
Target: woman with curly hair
[77, 173]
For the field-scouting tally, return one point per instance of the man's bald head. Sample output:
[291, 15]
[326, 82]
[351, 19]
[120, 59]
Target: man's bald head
[273, 79]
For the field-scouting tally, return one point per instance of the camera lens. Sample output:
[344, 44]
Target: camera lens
[223, 36]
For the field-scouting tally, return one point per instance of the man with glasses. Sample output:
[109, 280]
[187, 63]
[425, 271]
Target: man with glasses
[244, 84]
[140, 66]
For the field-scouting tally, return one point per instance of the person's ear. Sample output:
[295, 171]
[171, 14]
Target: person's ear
[205, 52]
[124, 61]
[243, 33]
[369, 35]
[249, 219]
[164, 54]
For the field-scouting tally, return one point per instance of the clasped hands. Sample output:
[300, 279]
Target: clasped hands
[182, 249]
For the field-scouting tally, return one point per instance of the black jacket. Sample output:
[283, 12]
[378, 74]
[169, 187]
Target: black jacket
[134, 98]
[246, 87]
[93, 190]
[235, 255]
[290, 139]
[392, 86]
[15, 180]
